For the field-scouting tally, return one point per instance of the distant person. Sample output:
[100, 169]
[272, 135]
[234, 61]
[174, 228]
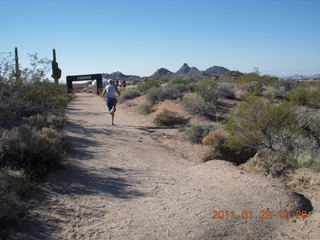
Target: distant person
[109, 92]
[145, 80]
[117, 83]
[123, 84]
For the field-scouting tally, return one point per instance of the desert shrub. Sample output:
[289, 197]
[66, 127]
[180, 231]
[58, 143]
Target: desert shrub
[136, 81]
[13, 107]
[36, 153]
[195, 134]
[260, 123]
[40, 121]
[314, 100]
[265, 80]
[275, 163]
[148, 84]
[253, 89]
[162, 93]
[217, 139]
[305, 96]
[47, 96]
[14, 184]
[154, 94]
[207, 89]
[226, 92]
[128, 94]
[287, 85]
[146, 108]
[168, 118]
[300, 96]
[179, 81]
[200, 107]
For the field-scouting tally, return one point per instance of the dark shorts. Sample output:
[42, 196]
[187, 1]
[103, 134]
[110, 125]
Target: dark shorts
[111, 102]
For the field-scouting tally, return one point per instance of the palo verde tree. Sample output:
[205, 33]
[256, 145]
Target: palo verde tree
[261, 123]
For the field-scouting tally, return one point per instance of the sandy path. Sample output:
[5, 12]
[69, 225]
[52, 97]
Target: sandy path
[121, 184]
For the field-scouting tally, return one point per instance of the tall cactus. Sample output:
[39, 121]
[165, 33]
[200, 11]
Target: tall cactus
[17, 72]
[56, 71]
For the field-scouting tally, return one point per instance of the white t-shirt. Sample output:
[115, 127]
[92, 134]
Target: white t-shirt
[110, 90]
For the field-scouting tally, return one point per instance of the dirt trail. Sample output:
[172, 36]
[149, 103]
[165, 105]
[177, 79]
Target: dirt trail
[120, 184]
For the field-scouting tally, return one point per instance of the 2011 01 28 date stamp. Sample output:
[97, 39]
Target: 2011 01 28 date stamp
[263, 214]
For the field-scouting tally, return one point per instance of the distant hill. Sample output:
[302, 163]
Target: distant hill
[161, 73]
[185, 70]
[297, 76]
[120, 76]
[215, 71]
[316, 75]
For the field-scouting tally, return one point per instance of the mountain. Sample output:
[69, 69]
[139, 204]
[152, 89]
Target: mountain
[185, 69]
[120, 76]
[194, 72]
[316, 75]
[165, 74]
[215, 71]
[298, 76]
[161, 73]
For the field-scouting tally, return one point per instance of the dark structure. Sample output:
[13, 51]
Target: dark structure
[17, 72]
[88, 77]
[56, 71]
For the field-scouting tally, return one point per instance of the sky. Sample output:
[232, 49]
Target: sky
[280, 37]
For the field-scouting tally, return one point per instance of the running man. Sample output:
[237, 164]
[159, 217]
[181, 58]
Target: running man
[109, 92]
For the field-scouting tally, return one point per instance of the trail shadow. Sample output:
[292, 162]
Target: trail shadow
[74, 127]
[149, 128]
[116, 182]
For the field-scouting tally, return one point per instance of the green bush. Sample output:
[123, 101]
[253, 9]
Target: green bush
[36, 153]
[136, 81]
[260, 123]
[226, 92]
[217, 139]
[179, 81]
[162, 93]
[47, 96]
[14, 184]
[315, 98]
[265, 80]
[195, 134]
[39, 121]
[13, 107]
[300, 96]
[144, 87]
[146, 108]
[128, 94]
[207, 89]
[168, 118]
[200, 107]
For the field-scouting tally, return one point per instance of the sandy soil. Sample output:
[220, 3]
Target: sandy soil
[121, 184]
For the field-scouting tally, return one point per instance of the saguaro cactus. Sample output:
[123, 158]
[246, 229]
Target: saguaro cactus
[17, 72]
[56, 71]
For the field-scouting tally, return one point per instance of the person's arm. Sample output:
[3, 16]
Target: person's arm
[104, 92]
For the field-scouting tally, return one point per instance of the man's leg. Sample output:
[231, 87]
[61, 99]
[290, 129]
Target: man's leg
[112, 118]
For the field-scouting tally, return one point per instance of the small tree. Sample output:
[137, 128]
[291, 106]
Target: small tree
[6, 65]
[207, 89]
[260, 123]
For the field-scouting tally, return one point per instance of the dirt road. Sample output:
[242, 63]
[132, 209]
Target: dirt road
[120, 184]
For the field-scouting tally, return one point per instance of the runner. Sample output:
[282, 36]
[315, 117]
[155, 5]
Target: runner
[123, 84]
[109, 92]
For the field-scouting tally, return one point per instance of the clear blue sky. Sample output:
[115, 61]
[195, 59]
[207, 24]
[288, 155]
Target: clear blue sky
[139, 36]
